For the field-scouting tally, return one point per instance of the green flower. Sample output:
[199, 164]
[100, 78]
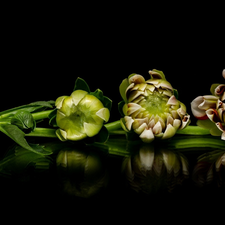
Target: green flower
[151, 108]
[81, 114]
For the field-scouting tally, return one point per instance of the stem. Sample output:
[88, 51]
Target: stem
[41, 115]
[196, 142]
[194, 130]
[115, 128]
[43, 132]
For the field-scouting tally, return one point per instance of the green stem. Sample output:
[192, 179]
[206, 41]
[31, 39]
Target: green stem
[202, 142]
[194, 130]
[41, 115]
[43, 132]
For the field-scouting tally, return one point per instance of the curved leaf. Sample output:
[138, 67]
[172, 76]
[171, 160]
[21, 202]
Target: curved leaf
[81, 84]
[18, 136]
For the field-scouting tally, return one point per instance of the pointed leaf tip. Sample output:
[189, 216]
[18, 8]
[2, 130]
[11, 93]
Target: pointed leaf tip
[80, 84]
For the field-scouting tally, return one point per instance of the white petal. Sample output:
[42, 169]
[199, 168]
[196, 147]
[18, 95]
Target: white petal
[172, 101]
[157, 129]
[223, 73]
[132, 107]
[198, 113]
[128, 121]
[147, 135]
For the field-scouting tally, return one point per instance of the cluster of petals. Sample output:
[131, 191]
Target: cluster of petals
[152, 110]
[212, 107]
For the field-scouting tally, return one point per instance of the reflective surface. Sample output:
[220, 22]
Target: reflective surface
[93, 180]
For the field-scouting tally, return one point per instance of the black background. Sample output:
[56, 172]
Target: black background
[44, 51]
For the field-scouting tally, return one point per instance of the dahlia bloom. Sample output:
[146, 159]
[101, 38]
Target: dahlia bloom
[82, 114]
[210, 110]
[151, 108]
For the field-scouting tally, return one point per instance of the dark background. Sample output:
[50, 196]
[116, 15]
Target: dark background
[44, 51]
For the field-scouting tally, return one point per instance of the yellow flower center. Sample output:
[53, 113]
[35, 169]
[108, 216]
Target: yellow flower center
[155, 104]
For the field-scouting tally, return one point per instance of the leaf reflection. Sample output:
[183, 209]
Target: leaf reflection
[153, 169]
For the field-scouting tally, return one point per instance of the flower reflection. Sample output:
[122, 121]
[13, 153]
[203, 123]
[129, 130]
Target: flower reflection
[210, 169]
[81, 171]
[151, 170]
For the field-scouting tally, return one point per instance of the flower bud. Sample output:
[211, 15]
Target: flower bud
[151, 107]
[80, 115]
[210, 110]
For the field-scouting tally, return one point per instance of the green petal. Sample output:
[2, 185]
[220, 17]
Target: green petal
[169, 132]
[123, 88]
[92, 129]
[61, 134]
[213, 87]
[104, 114]
[77, 96]
[59, 101]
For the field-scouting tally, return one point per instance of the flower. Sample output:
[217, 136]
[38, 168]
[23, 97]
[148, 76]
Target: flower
[210, 110]
[80, 115]
[151, 170]
[150, 108]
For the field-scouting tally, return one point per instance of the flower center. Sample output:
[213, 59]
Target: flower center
[155, 104]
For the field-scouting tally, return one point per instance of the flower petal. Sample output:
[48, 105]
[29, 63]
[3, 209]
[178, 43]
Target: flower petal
[147, 136]
[172, 101]
[77, 96]
[59, 101]
[141, 128]
[185, 121]
[132, 107]
[128, 122]
[212, 115]
[176, 123]
[169, 132]
[91, 129]
[157, 129]
[104, 114]
[198, 113]
[223, 73]
[138, 122]
[137, 79]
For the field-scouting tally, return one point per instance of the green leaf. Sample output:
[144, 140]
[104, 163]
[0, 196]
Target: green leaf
[32, 107]
[23, 120]
[103, 135]
[175, 92]
[105, 100]
[18, 136]
[98, 94]
[81, 84]
[52, 118]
